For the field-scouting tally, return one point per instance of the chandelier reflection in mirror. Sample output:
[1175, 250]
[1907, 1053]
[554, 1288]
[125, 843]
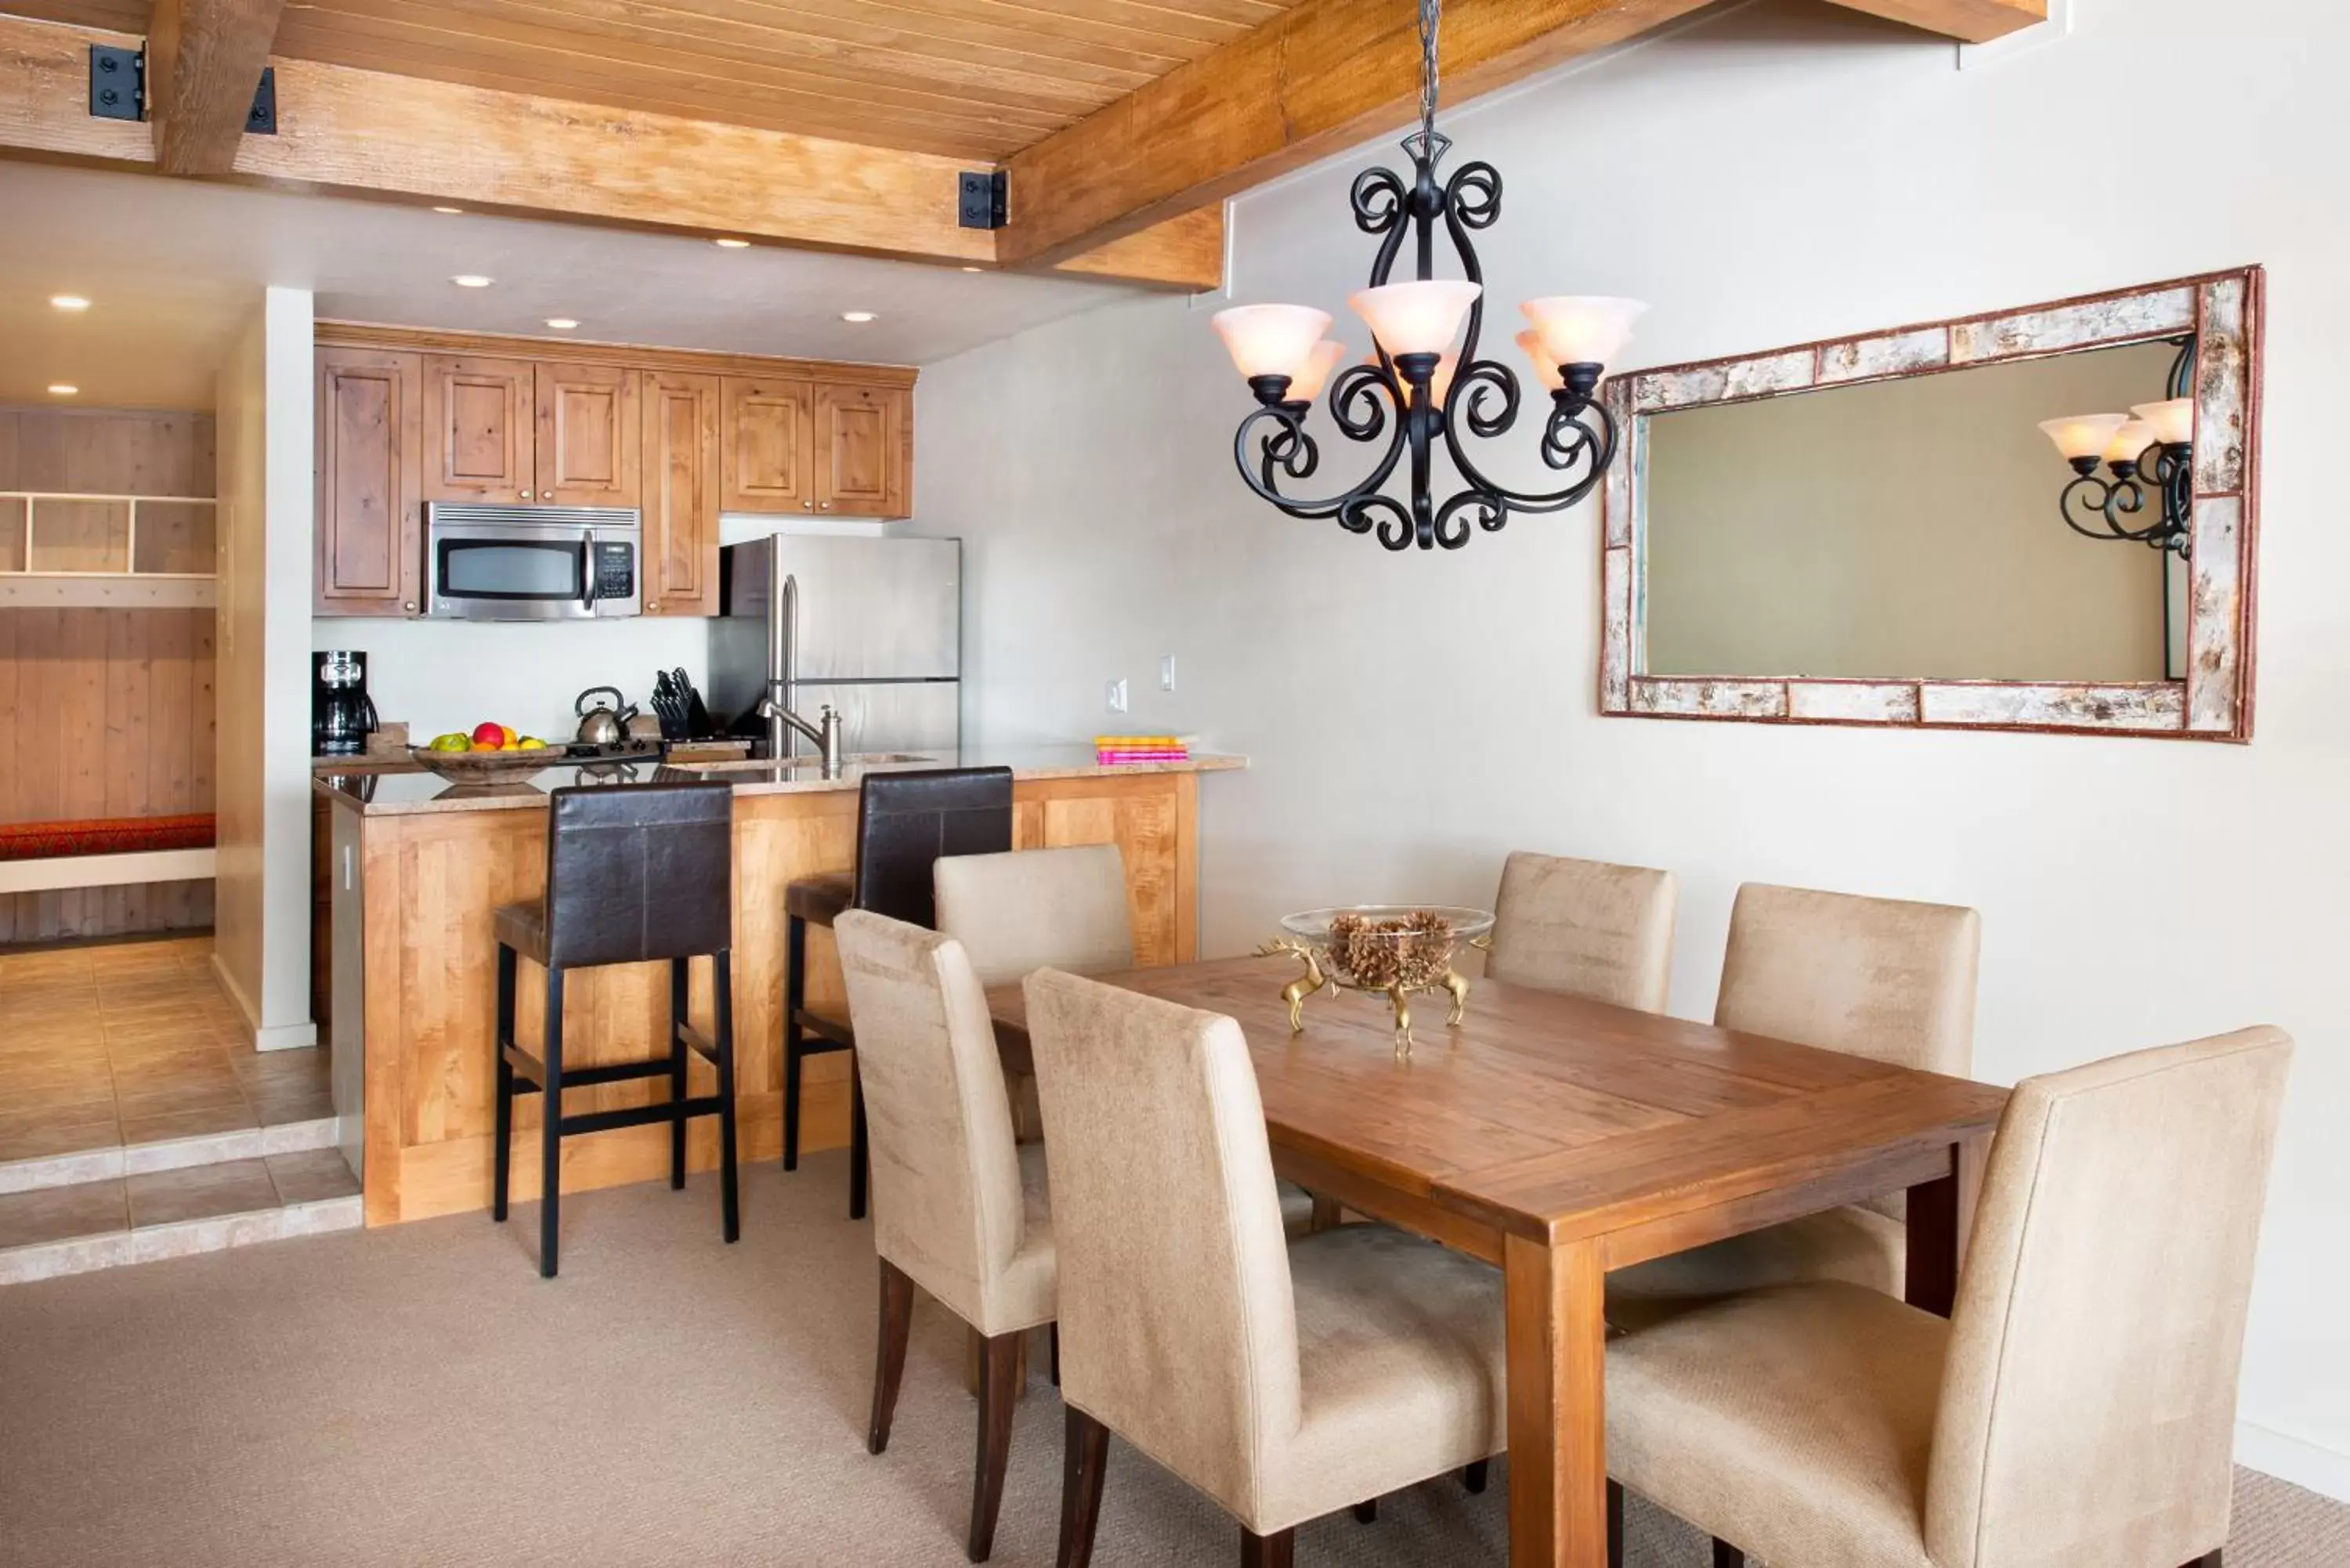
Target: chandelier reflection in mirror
[2151, 448]
[1419, 390]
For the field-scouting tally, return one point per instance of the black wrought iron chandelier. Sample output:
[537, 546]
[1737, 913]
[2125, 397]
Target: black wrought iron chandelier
[2148, 454]
[1418, 390]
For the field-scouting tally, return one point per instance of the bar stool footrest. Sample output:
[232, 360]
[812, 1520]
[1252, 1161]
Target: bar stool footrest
[835, 1033]
[526, 1065]
[640, 1116]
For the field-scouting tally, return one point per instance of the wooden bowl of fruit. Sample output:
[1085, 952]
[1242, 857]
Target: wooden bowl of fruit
[491, 754]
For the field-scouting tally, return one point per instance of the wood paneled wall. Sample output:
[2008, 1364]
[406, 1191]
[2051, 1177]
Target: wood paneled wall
[105, 712]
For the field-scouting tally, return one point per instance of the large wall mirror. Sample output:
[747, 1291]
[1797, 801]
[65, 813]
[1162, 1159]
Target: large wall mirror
[2035, 519]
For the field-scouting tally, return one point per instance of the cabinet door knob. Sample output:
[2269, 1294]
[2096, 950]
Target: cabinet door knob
[654, 607]
[824, 505]
[410, 606]
[807, 506]
[525, 495]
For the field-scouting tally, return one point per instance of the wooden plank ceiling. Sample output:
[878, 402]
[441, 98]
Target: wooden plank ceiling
[834, 123]
[976, 80]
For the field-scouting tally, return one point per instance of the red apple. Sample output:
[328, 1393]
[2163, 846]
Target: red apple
[489, 737]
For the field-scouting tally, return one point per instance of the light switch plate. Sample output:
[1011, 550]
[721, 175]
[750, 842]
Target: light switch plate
[1167, 672]
[1115, 695]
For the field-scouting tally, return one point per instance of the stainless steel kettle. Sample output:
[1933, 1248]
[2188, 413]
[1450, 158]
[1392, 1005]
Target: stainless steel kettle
[602, 725]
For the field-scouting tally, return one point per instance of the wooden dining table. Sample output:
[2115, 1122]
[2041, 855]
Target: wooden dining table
[1559, 1138]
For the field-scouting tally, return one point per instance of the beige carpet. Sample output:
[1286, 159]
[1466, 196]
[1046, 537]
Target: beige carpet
[419, 1397]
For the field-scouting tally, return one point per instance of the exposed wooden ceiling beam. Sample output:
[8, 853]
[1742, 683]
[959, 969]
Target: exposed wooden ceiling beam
[1969, 21]
[1319, 78]
[371, 133]
[204, 60]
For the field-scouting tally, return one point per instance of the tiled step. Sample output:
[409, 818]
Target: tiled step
[174, 1213]
[114, 1161]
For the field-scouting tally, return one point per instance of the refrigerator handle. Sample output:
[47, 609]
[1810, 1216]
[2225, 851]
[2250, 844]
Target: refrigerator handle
[783, 656]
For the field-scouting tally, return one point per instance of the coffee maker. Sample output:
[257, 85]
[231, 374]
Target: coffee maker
[341, 715]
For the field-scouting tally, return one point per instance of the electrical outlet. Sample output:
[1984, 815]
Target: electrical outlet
[1167, 672]
[1115, 695]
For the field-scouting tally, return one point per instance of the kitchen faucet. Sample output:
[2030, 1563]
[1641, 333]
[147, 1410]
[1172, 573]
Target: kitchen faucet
[824, 732]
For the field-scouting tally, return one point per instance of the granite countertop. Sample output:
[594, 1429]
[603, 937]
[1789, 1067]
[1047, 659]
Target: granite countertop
[377, 792]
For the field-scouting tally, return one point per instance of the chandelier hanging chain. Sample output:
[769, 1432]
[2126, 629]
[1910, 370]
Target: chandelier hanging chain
[1434, 397]
[1432, 13]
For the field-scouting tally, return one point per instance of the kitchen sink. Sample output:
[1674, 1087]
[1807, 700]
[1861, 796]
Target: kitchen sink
[807, 765]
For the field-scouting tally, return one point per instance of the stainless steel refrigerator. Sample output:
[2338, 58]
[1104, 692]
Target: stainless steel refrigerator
[873, 626]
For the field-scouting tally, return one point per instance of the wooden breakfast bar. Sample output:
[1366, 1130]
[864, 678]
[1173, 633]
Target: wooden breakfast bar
[418, 865]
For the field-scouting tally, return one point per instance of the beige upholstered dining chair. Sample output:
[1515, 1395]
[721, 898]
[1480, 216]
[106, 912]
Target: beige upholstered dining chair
[1587, 928]
[2078, 1410]
[1063, 909]
[1285, 1381]
[1021, 911]
[1872, 977]
[957, 1208]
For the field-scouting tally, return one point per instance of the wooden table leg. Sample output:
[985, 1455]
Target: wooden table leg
[1941, 1218]
[1558, 1413]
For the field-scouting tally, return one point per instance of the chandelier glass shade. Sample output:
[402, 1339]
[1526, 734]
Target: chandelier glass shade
[1425, 387]
[2147, 456]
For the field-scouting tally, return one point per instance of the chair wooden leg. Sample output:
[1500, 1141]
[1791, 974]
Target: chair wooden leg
[1615, 1524]
[860, 1162]
[676, 1073]
[999, 1397]
[551, 1132]
[1368, 1513]
[889, 1359]
[502, 1156]
[794, 993]
[1084, 1459]
[1326, 1215]
[1725, 1555]
[1476, 1475]
[1278, 1549]
[721, 994]
[1055, 1334]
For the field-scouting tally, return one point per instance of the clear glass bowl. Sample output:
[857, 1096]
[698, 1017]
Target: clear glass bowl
[1371, 947]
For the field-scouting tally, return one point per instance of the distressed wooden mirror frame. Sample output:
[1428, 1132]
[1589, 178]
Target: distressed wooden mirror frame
[2214, 702]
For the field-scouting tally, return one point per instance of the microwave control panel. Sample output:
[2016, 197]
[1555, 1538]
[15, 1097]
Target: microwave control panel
[615, 571]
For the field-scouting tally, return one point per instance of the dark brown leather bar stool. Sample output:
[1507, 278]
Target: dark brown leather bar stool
[905, 821]
[635, 874]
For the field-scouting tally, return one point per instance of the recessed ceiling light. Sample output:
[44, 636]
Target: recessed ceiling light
[561, 322]
[471, 280]
[859, 316]
[975, 269]
[453, 212]
[68, 302]
[732, 244]
[63, 389]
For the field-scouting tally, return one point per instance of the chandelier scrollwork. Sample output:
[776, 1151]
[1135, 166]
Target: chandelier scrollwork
[1418, 394]
[2148, 458]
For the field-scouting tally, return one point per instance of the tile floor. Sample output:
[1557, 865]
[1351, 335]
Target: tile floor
[135, 1043]
[91, 1210]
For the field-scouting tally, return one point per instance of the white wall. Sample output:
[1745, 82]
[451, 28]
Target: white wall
[442, 675]
[1781, 174]
[262, 913]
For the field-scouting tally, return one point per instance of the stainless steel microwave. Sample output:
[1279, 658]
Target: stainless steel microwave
[532, 563]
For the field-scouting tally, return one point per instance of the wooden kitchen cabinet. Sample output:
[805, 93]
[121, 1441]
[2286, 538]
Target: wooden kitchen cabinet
[369, 536]
[407, 416]
[480, 425]
[863, 449]
[588, 435]
[768, 444]
[681, 484]
[817, 446]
